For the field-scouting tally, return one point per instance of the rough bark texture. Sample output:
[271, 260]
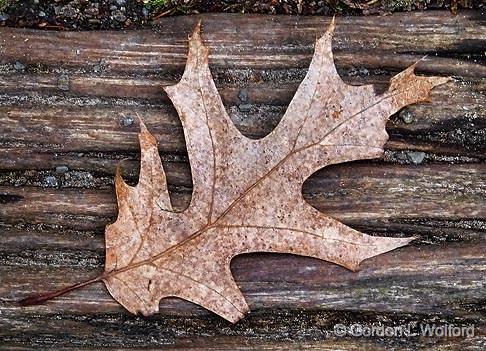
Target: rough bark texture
[69, 117]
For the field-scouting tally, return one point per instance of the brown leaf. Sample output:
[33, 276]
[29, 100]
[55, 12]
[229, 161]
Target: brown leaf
[247, 193]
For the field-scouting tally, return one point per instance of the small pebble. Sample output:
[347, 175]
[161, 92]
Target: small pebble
[63, 82]
[243, 95]
[51, 181]
[245, 107]
[406, 116]
[19, 66]
[62, 169]
[68, 11]
[100, 66]
[92, 11]
[121, 2]
[416, 157]
[126, 121]
[21, 181]
[401, 156]
[119, 16]
[42, 14]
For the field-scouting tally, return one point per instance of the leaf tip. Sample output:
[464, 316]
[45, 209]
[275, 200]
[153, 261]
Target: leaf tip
[395, 243]
[118, 171]
[332, 25]
[196, 33]
[120, 185]
[381, 245]
[197, 59]
[435, 80]
[145, 137]
[197, 28]
[442, 80]
[143, 127]
[353, 267]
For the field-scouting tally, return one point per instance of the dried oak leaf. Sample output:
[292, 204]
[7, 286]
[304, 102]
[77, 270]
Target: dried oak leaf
[247, 193]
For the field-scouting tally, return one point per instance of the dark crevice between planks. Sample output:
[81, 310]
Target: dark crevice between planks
[263, 325]
[7, 198]
[465, 50]
[50, 257]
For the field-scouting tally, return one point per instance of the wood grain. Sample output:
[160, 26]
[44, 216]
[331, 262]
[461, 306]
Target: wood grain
[74, 107]
[355, 192]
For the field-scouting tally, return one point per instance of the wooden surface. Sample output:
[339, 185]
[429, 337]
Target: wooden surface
[73, 106]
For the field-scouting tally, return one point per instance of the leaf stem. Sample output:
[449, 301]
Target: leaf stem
[38, 299]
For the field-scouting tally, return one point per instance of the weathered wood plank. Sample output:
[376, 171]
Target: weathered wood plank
[270, 87]
[447, 123]
[410, 284]
[256, 41]
[353, 192]
[159, 332]
[402, 281]
[295, 331]
[72, 106]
